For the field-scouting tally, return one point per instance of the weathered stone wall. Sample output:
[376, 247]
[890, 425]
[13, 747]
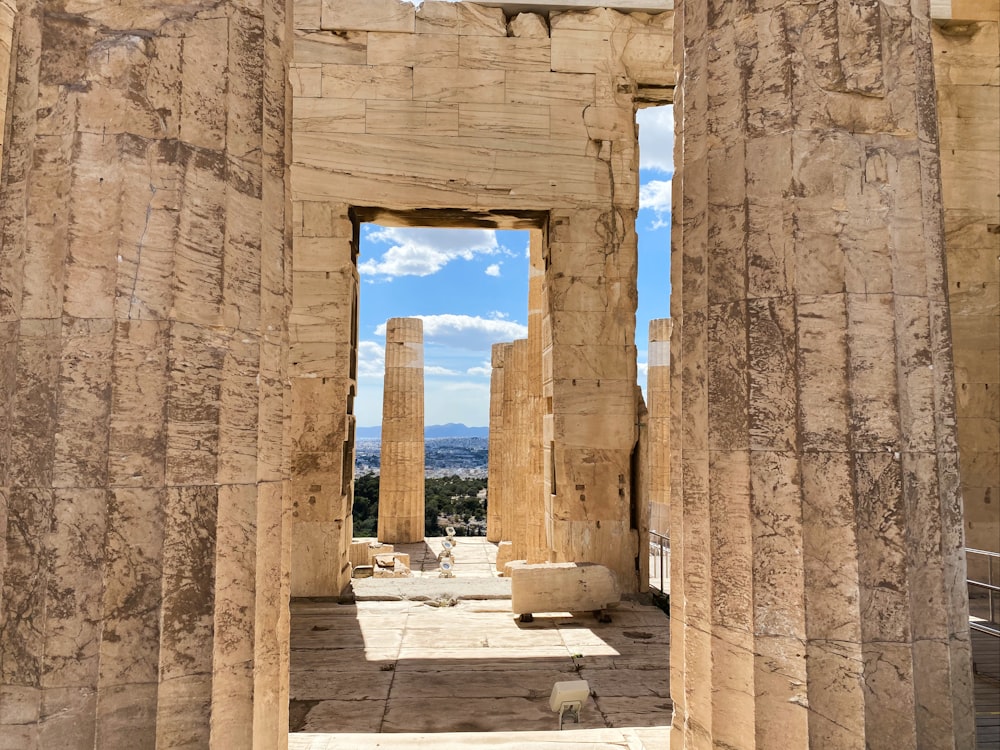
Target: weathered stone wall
[142, 358]
[967, 70]
[453, 114]
[819, 507]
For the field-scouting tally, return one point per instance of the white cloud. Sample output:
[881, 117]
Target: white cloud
[371, 360]
[435, 370]
[655, 195]
[642, 369]
[469, 332]
[493, 269]
[484, 370]
[656, 138]
[425, 251]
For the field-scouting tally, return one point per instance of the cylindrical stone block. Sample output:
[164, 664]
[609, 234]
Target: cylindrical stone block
[658, 404]
[495, 476]
[823, 565]
[401, 481]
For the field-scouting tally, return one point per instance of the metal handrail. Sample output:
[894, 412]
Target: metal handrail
[662, 551]
[991, 589]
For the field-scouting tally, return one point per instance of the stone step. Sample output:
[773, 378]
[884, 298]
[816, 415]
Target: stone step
[429, 589]
[650, 738]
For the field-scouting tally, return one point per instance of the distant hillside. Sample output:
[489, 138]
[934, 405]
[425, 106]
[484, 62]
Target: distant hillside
[450, 430]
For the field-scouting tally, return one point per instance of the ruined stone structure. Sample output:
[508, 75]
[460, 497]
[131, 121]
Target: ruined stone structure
[178, 336]
[494, 481]
[658, 398]
[144, 316]
[401, 480]
[968, 85]
[448, 116]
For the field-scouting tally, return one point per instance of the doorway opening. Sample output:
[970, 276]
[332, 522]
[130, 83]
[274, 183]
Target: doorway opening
[468, 287]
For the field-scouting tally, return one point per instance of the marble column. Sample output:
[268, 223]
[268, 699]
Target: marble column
[507, 479]
[823, 598]
[144, 298]
[495, 473]
[536, 544]
[517, 464]
[658, 397]
[401, 478]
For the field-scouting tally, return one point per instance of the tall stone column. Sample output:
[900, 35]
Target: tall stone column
[144, 297]
[401, 478]
[824, 601]
[508, 480]
[536, 544]
[658, 396]
[517, 461]
[495, 472]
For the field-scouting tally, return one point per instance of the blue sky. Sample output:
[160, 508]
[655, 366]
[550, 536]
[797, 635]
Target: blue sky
[471, 288]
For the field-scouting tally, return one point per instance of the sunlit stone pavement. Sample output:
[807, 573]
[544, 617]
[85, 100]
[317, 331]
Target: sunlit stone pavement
[426, 670]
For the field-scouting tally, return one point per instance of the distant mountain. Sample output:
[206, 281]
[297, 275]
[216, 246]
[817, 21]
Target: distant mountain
[450, 430]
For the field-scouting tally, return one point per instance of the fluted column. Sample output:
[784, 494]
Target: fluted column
[658, 397]
[823, 602]
[144, 298]
[495, 473]
[536, 545]
[401, 479]
[519, 440]
[507, 479]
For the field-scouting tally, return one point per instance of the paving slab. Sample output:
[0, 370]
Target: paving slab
[653, 738]
[415, 667]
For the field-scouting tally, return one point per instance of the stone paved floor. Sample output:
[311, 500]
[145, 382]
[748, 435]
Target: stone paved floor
[403, 666]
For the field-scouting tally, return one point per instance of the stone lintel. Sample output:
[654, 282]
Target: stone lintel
[526, 6]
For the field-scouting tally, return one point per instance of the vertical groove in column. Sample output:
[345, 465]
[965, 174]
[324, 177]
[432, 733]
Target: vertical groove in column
[401, 482]
[133, 249]
[516, 372]
[508, 479]
[658, 397]
[815, 413]
[495, 471]
[536, 545]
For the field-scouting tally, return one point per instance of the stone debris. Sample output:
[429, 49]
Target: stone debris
[561, 587]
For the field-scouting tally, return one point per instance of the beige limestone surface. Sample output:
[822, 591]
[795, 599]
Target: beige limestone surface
[166, 344]
[453, 114]
[575, 739]
[391, 667]
[658, 419]
[967, 73]
[144, 306]
[401, 482]
[548, 587]
[819, 516]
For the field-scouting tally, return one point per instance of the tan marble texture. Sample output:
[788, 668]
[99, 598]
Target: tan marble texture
[178, 334]
[967, 73]
[658, 397]
[819, 517]
[401, 481]
[497, 440]
[144, 303]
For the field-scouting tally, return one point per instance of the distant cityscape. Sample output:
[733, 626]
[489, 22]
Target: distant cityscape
[462, 453]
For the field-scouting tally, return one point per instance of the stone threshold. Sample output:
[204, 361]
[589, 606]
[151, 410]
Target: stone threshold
[647, 738]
